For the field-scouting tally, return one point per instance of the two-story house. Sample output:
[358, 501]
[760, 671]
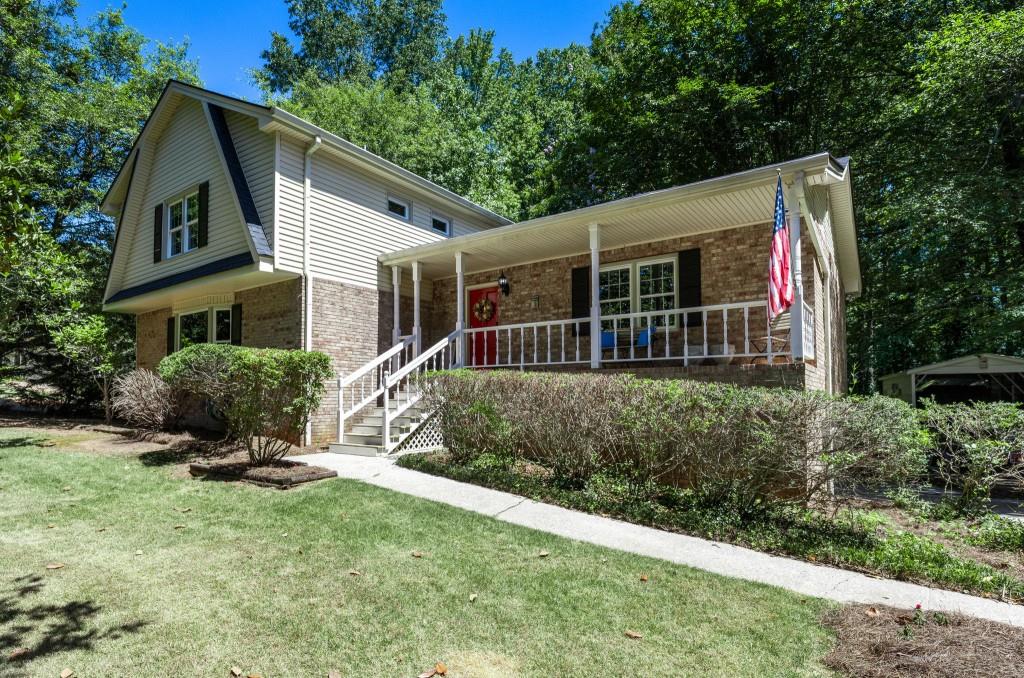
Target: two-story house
[243, 223]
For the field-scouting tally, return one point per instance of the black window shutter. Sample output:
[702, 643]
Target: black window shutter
[689, 283]
[158, 232]
[581, 298]
[204, 212]
[236, 324]
[170, 335]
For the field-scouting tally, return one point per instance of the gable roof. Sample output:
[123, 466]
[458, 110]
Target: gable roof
[971, 364]
[272, 118]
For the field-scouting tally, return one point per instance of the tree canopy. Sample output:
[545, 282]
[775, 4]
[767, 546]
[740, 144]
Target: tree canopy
[924, 95]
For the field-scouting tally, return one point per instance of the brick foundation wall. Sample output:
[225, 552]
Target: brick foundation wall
[353, 325]
[151, 338]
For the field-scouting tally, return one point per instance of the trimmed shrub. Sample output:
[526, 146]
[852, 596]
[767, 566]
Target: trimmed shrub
[976, 447]
[750, 444]
[266, 395]
[145, 401]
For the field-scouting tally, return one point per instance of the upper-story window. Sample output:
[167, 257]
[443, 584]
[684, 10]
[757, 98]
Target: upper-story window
[183, 224]
[441, 224]
[398, 207]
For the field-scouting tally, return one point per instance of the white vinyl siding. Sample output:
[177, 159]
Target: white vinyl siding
[256, 155]
[182, 157]
[350, 222]
[288, 247]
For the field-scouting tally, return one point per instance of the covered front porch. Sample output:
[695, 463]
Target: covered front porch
[676, 277]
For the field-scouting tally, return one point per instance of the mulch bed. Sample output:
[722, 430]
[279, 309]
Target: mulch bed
[282, 474]
[875, 640]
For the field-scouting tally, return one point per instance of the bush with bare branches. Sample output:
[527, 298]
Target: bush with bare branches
[753, 444]
[145, 401]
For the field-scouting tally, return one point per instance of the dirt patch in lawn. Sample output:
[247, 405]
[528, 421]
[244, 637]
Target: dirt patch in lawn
[885, 641]
[281, 474]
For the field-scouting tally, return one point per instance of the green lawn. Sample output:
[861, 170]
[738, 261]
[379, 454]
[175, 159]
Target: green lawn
[261, 579]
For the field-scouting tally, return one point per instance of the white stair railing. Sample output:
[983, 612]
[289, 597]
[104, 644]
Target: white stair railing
[366, 384]
[407, 380]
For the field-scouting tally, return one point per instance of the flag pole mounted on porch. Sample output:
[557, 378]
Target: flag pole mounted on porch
[785, 285]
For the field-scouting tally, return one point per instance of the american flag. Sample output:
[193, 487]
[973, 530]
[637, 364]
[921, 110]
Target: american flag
[780, 282]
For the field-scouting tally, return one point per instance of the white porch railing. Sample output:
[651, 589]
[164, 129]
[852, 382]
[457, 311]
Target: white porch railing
[366, 384]
[406, 382]
[809, 330]
[553, 342]
[721, 332]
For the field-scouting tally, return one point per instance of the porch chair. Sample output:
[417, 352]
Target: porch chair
[778, 333]
[645, 337]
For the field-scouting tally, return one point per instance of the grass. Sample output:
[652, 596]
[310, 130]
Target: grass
[260, 579]
[858, 539]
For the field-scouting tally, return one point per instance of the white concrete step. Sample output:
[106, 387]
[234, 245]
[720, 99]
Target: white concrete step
[356, 449]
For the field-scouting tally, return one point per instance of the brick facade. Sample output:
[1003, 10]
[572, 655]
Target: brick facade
[272, 315]
[151, 338]
[733, 269]
[353, 325]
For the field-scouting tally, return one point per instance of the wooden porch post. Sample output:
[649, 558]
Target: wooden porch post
[595, 296]
[460, 311]
[913, 390]
[796, 313]
[396, 283]
[417, 276]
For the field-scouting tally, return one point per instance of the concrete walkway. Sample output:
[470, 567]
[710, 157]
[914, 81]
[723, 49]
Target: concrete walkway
[732, 561]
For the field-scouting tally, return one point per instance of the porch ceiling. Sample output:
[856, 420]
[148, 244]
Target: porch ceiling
[731, 201]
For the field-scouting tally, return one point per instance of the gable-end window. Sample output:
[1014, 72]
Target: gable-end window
[441, 224]
[183, 224]
[399, 208]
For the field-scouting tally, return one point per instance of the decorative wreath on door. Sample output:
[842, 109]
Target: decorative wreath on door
[483, 310]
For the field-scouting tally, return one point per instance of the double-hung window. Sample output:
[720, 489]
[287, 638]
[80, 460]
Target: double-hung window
[210, 325]
[647, 285]
[183, 224]
[615, 296]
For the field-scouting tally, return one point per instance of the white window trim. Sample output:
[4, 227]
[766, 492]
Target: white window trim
[211, 324]
[212, 330]
[447, 222]
[186, 222]
[401, 201]
[177, 324]
[634, 278]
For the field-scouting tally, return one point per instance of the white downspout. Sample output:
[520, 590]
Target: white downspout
[307, 280]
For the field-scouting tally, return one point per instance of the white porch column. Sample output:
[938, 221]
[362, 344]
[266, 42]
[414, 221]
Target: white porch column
[417, 276]
[595, 296]
[796, 313]
[460, 310]
[396, 283]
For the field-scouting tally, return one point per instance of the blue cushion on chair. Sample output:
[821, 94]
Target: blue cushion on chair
[607, 339]
[646, 336]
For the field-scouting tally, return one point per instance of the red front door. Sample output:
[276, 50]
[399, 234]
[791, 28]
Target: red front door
[483, 312]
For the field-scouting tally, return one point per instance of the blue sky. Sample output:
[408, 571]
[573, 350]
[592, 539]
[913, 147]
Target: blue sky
[227, 36]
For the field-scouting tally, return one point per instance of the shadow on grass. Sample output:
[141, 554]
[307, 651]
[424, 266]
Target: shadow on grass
[21, 441]
[189, 451]
[31, 630]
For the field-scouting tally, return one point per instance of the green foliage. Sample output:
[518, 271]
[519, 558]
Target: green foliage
[977, 446]
[72, 99]
[853, 539]
[761, 445]
[266, 395]
[93, 343]
[998, 534]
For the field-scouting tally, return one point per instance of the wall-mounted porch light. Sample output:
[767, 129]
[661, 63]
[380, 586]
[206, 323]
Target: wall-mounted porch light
[503, 283]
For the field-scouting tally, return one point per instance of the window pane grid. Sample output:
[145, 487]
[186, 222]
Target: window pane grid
[183, 225]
